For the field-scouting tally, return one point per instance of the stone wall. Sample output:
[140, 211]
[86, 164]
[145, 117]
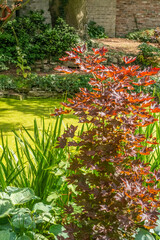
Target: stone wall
[38, 5]
[103, 12]
[136, 14]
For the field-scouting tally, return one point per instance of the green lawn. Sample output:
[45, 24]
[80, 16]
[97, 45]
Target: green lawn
[16, 113]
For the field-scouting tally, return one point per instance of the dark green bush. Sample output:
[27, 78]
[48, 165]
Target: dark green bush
[36, 38]
[96, 31]
[54, 83]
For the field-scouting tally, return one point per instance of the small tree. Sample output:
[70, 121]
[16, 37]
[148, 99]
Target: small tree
[117, 192]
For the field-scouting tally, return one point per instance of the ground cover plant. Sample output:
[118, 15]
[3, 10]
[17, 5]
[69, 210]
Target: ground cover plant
[146, 35]
[24, 216]
[126, 196]
[149, 55]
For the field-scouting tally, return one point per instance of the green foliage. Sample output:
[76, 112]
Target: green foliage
[59, 39]
[149, 55]
[7, 83]
[36, 38]
[37, 163]
[144, 234]
[22, 64]
[23, 216]
[62, 84]
[142, 35]
[96, 31]
[153, 234]
[5, 61]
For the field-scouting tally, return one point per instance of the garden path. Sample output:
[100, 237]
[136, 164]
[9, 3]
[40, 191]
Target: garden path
[121, 44]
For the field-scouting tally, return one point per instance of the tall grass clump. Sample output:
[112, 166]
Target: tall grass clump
[36, 162]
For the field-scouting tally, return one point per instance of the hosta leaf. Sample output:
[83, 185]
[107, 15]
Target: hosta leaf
[157, 228]
[19, 211]
[5, 207]
[7, 235]
[10, 190]
[45, 217]
[4, 195]
[40, 237]
[144, 235]
[21, 196]
[53, 196]
[58, 230]
[41, 207]
[23, 221]
[24, 237]
[5, 227]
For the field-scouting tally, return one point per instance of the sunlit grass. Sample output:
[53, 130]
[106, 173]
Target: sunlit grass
[15, 113]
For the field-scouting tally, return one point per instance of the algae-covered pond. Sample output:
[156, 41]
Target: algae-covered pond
[17, 113]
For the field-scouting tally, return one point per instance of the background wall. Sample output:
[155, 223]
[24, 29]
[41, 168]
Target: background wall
[38, 5]
[136, 14]
[118, 17]
[103, 12]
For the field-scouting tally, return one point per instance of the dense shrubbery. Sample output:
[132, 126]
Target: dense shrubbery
[52, 83]
[36, 38]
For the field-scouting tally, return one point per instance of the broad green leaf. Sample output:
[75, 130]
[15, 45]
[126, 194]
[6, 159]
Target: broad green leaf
[40, 237]
[144, 235]
[33, 235]
[5, 227]
[22, 196]
[58, 230]
[157, 228]
[24, 237]
[41, 207]
[10, 189]
[7, 235]
[59, 172]
[53, 196]
[4, 195]
[5, 207]
[23, 221]
[20, 211]
[45, 217]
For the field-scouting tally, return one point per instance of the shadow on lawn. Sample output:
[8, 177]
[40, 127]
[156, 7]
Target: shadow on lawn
[15, 113]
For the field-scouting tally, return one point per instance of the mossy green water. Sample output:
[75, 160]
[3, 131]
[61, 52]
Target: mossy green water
[16, 113]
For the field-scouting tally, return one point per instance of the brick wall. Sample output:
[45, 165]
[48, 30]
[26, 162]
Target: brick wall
[136, 14]
[103, 12]
[118, 17]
